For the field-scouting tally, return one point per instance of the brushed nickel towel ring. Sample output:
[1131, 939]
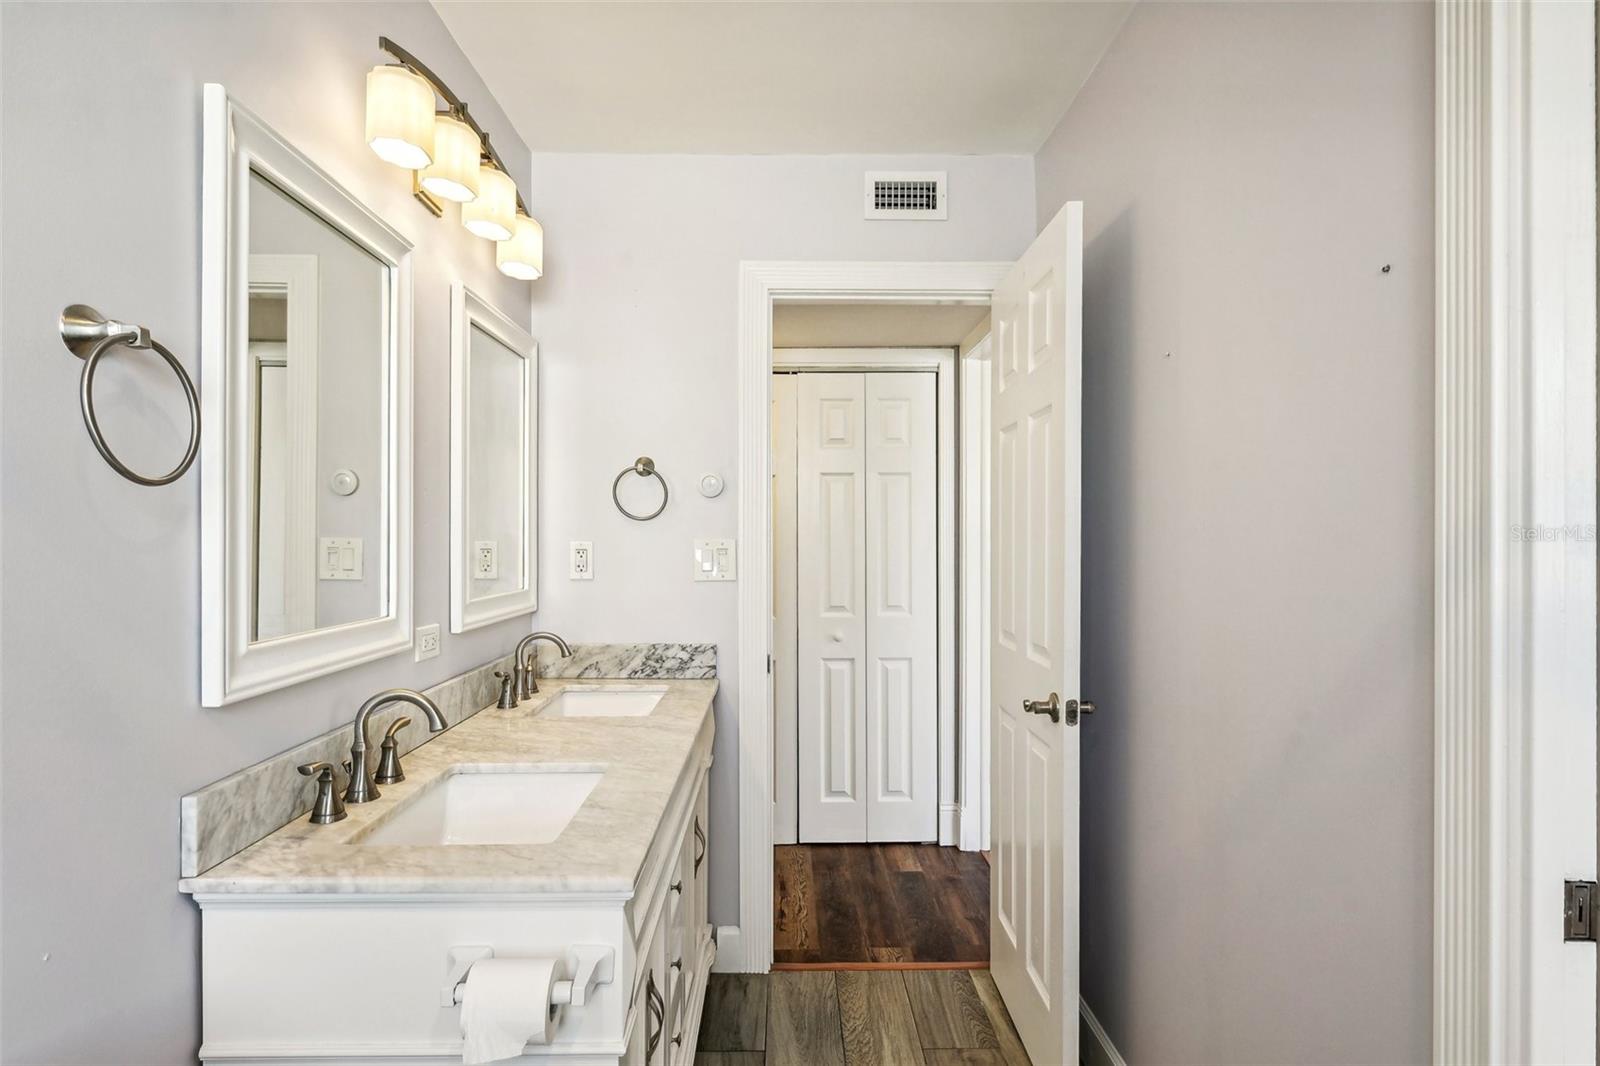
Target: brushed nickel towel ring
[89, 335]
[644, 466]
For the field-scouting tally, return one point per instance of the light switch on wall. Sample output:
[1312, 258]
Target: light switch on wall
[339, 559]
[714, 560]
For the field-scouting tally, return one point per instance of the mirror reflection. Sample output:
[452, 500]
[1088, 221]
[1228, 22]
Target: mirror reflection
[497, 470]
[318, 349]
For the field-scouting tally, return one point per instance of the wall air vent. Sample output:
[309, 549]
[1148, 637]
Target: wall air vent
[906, 194]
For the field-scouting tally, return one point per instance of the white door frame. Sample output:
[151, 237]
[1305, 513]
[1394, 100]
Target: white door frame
[1514, 621]
[942, 362]
[748, 947]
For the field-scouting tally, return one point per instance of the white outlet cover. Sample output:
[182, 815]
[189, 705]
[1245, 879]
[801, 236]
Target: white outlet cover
[427, 642]
[580, 559]
[485, 560]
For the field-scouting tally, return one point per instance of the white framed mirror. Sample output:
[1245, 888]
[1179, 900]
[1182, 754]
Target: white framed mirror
[494, 464]
[305, 389]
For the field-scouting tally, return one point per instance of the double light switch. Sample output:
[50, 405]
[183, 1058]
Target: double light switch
[714, 560]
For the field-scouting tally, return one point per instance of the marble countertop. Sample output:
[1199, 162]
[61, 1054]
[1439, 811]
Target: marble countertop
[602, 849]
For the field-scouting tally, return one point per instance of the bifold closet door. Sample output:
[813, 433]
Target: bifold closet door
[902, 607]
[831, 583]
[867, 607]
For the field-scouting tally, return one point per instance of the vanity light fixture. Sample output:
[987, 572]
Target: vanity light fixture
[400, 116]
[453, 158]
[493, 215]
[522, 257]
[453, 174]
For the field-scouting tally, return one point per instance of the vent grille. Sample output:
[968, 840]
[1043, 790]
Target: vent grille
[906, 195]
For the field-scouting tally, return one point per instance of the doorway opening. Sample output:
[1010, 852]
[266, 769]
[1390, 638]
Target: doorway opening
[878, 505]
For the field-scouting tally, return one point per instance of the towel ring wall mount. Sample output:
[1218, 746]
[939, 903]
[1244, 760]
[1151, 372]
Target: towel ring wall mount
[644, 466]
[89, 335]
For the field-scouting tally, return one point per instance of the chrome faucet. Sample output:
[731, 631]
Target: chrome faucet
[362, 787]
[528, 684]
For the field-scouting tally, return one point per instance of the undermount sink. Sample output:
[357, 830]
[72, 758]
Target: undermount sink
[489, 805]
[581, 701]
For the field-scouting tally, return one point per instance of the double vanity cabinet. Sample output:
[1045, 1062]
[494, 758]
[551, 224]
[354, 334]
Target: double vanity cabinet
[572, 828]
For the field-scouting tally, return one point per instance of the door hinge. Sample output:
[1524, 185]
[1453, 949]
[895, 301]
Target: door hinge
[1580, 910]
[769, 664]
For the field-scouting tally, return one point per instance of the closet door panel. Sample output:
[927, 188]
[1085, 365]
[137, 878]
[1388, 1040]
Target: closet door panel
[902, 609]
[831, 581]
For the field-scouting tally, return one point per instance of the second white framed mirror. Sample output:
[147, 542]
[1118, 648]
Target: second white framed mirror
[494, 453]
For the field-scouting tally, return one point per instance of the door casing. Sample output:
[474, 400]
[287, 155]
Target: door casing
[959, 812]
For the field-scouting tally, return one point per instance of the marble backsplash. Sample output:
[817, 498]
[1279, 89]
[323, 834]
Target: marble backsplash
[227, 816]
[683, 662]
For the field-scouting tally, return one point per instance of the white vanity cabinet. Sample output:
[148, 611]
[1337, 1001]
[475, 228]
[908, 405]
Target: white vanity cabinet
[358, 973]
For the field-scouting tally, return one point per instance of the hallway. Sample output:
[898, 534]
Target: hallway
[856, 1018]
[879, 904]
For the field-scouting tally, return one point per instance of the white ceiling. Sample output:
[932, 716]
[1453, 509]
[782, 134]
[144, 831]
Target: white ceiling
[809, 77]
[860, 325]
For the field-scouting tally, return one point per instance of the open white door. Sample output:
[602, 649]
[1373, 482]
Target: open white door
[1036, 419]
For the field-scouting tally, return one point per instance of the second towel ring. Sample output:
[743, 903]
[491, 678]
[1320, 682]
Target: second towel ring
[644, 466]
[88, 335]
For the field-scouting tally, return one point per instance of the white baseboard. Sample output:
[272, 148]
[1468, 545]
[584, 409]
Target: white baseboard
[730, 951]
[1094, 1046]
[969, 832]
[949, 824]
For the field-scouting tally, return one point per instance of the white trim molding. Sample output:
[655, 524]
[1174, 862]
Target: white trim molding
[1514, 615]
[1095, 1046]
[760, 283]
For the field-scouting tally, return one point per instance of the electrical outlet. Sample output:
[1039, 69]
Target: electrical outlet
[427, 642]
[485, 560]
[582, 561]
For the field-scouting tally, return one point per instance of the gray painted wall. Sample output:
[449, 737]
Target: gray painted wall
[99, 674]
[1257, 529]
[637, 322]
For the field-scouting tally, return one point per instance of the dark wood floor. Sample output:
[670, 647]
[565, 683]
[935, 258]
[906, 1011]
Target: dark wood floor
[879, 903]
[857, 1018]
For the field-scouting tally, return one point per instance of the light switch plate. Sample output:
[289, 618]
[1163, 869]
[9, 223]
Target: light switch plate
[485, 560]
[339, 559]
[581, 561]
[427, 642]
[714, 560]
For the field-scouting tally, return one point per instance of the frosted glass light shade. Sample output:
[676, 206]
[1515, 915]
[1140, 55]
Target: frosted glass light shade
[453, 174]
[522, 256]
[493, 215]
[400, 116]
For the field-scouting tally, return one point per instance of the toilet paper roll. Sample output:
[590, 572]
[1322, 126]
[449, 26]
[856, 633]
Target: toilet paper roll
[505, 1005]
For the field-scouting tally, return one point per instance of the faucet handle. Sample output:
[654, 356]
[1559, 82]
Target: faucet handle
[327, 808]
[508, 690]
[389, 771]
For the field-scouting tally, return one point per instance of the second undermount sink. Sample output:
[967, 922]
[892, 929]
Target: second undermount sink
[489, 805]
[604, 701]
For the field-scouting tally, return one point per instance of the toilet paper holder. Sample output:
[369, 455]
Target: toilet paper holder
[589, 965]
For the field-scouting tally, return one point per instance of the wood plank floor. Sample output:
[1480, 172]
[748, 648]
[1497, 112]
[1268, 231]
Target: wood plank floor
[879, 903]
[857, 1018]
